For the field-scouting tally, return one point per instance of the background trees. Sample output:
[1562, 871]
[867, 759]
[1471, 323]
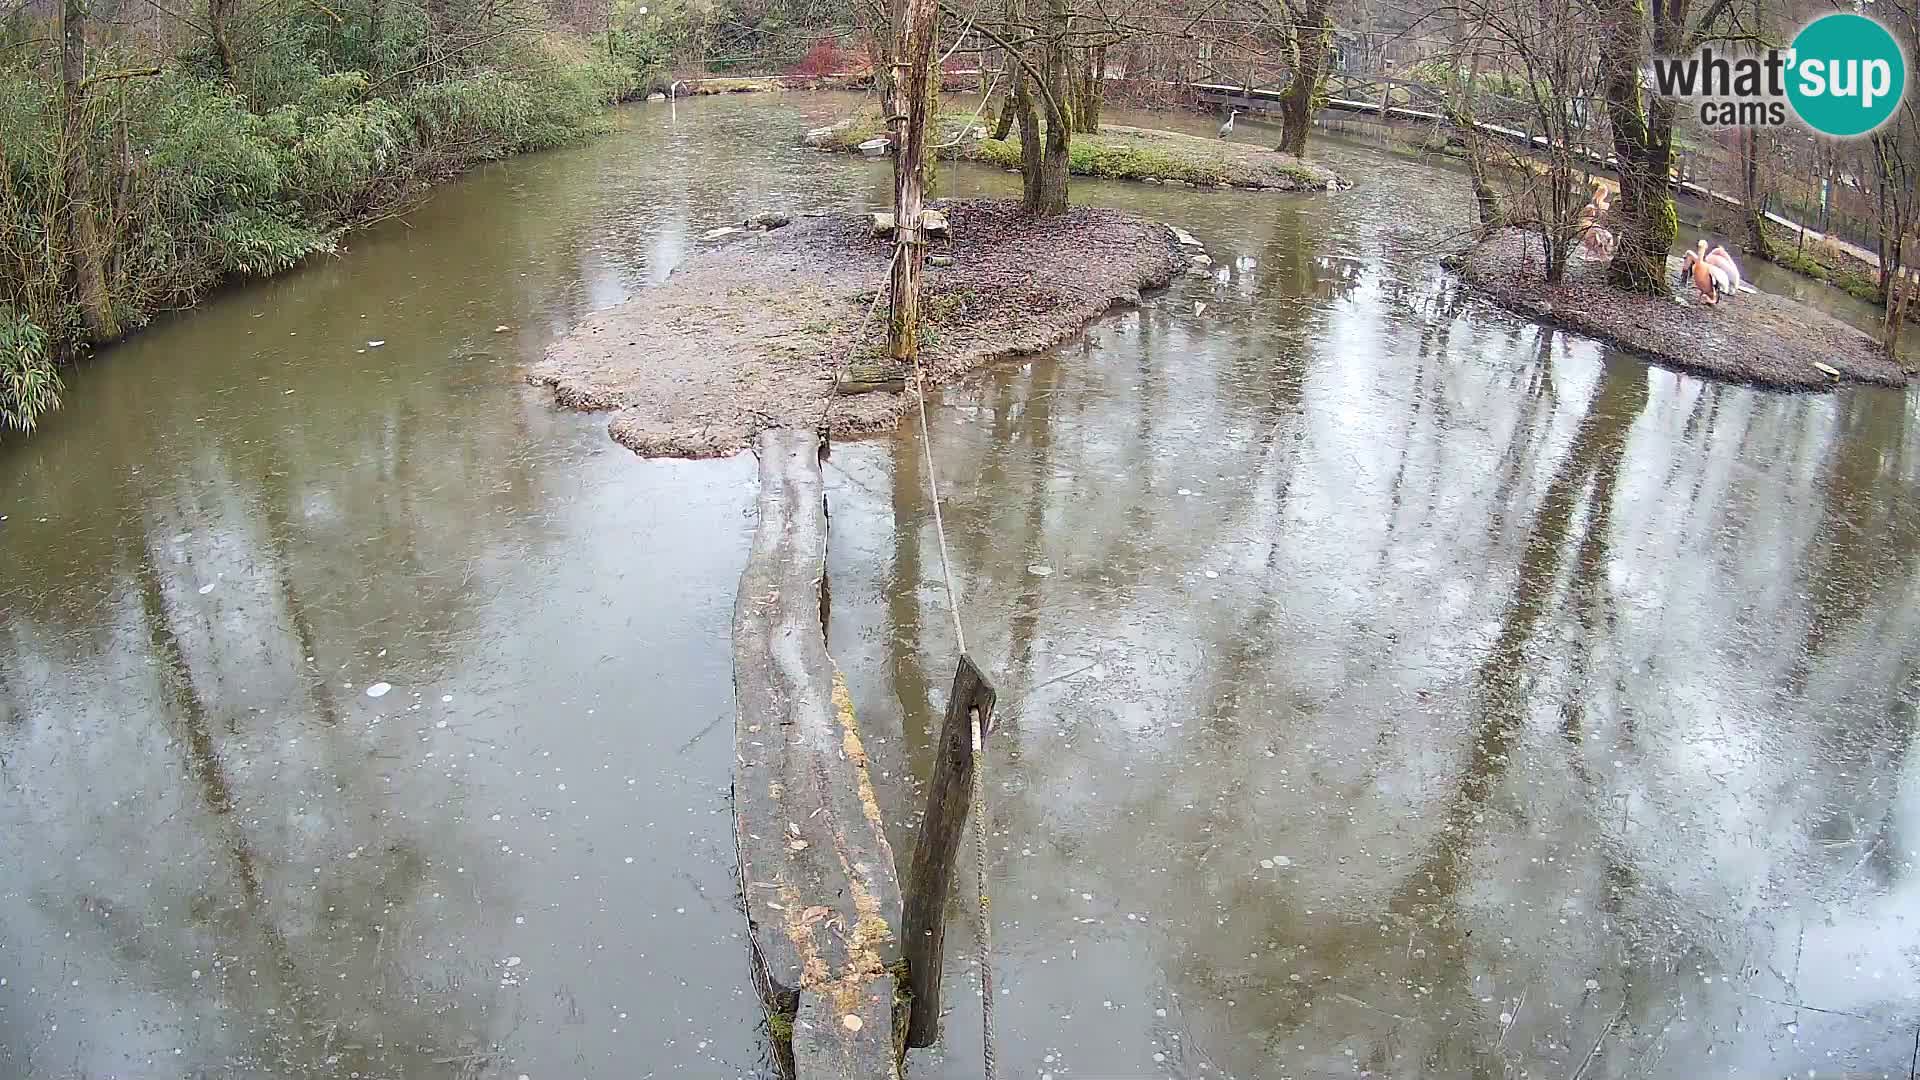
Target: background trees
[148, 150]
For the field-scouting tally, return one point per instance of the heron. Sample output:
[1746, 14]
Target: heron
[1226, 129]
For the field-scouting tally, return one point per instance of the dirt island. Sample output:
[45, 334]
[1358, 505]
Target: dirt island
[757, 331]
[1747, 337]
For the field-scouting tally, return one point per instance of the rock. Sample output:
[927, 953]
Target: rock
[933, 222]
[722, 231]
[1826, 369]
[767, 221]
[1333, 185]
[980, 133]
[940, 260]
[875, 147]
[1150, 180]
[1015, 172]
[656, 96]
[1178, 183]
[1201, 260]
[1186, 238]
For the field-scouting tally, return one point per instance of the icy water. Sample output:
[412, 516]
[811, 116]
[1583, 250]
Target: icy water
[1389, 687]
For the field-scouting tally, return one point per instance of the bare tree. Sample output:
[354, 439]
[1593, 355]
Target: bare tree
[1529, 63]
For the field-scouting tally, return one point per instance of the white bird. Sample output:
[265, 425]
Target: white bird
[1226, 129]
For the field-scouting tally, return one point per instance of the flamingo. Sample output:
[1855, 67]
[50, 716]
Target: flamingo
[1596, 239]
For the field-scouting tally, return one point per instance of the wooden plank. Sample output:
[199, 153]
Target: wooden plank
[930, 879]
[821, 893]
[839, 1032]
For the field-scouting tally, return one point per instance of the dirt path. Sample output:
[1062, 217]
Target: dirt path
[1752, 337]
[751, 334]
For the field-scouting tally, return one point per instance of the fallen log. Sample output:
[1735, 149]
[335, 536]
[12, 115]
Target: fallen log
[821, 892]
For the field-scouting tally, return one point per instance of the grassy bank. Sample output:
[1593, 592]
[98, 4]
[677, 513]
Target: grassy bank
[1114, 153]
[1829, 265]
[187, 167]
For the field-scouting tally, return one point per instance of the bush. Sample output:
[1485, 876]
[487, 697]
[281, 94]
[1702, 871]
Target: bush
[29, 383]
[198, 177]
[825, 58]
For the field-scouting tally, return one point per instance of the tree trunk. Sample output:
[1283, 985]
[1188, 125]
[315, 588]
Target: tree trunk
[1461, 115]
[1043, 162]
[1097, 91]
[1008, 114]
[1087, 79]
[1052, 196]
[1899, 291]
[1642, 145]
[916, 46]
[1315, 34]
[1030, 144]
[219, 12]
[86, 260]
[1755, 201]
[880, 58]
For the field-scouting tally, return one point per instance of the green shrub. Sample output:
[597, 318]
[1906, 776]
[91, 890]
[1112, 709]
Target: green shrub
[324, 123]
[29, 383]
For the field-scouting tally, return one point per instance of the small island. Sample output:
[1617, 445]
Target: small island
[1750, 337]
[1115, 152]
[759, 331]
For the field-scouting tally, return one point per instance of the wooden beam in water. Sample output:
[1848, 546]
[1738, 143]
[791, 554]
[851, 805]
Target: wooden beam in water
[821, 892]
[930, 880]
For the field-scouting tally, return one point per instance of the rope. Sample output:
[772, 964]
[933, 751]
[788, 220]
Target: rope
[985, 936]
[825, 422]
[978, 810]
[939, 525]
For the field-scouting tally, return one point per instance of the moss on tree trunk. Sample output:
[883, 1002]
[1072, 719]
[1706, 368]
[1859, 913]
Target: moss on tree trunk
[1642, 144]
[1297, 105]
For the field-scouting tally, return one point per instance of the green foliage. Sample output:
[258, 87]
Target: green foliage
[327, 121]
[1851, 276]
[1121, 155]
[29, 383]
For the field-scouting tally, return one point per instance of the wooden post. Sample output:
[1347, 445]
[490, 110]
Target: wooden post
[929, 881]
[914, 52]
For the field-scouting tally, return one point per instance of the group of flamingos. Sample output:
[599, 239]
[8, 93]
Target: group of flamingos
[1713, 272]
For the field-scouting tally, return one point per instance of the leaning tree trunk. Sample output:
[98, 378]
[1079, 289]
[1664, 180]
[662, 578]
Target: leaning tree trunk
[1296, 105]
[1008, 113]
[86, 259]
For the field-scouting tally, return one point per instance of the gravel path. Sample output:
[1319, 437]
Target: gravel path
[1752, 337]
[750, 334]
